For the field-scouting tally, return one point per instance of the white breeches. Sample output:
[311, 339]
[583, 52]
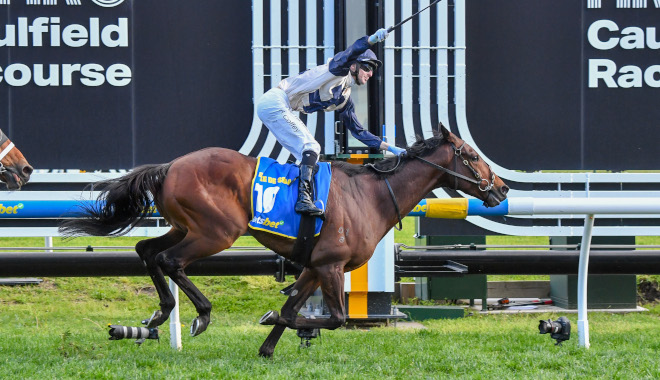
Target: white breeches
[274, 111]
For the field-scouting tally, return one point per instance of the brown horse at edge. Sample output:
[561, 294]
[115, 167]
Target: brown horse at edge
[205, 196]
[15, 171]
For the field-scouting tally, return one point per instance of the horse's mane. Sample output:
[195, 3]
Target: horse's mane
[420, 148]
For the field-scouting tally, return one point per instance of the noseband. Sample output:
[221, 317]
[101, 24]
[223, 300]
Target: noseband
[5, 151]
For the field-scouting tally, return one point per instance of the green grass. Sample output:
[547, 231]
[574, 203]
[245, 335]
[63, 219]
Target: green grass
[58, 330]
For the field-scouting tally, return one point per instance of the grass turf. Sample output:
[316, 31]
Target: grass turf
[58, 330]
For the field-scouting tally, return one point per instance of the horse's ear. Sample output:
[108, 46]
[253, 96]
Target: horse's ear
[444, 130]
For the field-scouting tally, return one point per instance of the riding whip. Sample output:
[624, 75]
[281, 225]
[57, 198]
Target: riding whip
[391, 28]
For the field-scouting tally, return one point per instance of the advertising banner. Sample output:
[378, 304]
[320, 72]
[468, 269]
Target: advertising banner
[567, 85]
[111, 84]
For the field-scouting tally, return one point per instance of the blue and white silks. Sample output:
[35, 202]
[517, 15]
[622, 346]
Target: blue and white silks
[274, 195]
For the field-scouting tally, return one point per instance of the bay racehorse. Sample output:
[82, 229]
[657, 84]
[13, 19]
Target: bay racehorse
[15, 171]
[205, 196]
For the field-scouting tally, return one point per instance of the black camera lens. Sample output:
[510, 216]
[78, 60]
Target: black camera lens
[118, 332]
[559, 330]
[545, 326]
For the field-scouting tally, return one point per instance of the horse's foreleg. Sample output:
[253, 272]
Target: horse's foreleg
[331, 278]
[332, 286]
[148, 250]
[268, 347]
[303, 288]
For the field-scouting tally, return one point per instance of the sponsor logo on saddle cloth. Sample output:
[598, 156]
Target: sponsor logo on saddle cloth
[274, 195]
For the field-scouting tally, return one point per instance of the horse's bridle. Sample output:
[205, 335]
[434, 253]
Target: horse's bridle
[5, 151]
[458, 153]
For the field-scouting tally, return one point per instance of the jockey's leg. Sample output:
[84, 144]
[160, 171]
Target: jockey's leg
[274, 111]
[305, 203]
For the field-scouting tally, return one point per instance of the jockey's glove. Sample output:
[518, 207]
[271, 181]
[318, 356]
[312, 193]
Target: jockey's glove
[379, 36]
[395, 150]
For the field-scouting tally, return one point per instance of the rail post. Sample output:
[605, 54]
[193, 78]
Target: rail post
[583, 271]
[175, 322]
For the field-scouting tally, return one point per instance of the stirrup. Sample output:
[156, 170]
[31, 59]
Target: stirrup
[308, 208]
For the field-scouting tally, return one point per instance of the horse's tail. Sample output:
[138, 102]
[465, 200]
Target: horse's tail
[122, 205]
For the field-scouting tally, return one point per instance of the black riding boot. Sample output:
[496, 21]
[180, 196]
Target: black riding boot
[305, 205]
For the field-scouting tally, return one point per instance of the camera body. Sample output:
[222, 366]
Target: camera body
[306, 335]
[559, 330]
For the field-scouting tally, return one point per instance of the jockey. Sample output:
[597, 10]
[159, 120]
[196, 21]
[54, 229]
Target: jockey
[323, 88]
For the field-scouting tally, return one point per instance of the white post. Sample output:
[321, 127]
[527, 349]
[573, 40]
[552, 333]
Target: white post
[380, 271]
[48, 240]
[329, 52]
[583, 268]
[175, 324]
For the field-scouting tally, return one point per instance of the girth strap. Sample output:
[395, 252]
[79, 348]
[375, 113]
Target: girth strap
[396, 204]
[389, 187]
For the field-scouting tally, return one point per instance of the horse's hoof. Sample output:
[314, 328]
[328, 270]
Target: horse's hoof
[266, 352]
[154, 320]
[198, 326]
[267, 355]
[270, 318]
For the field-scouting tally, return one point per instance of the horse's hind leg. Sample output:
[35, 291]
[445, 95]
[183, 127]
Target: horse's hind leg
[148, 250]
[306, 284]
[173, 261]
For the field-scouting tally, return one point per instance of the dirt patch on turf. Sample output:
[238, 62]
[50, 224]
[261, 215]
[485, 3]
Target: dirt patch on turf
[648, 291]
[148, 290]
[48, 284]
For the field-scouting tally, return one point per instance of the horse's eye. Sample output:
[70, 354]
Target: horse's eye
[475, 158]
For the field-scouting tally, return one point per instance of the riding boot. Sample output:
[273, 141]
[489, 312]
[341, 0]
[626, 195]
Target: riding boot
[305, 205]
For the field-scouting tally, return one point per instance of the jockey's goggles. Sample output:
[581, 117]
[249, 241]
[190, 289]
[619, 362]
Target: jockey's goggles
[367, 68]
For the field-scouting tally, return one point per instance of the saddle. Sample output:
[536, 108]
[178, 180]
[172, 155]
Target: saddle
[274, 192]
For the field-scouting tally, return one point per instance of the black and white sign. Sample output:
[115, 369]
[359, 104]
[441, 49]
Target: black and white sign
[111, 84]
[565, 84]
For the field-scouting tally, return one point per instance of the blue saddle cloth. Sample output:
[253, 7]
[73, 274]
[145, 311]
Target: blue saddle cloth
[274, 195]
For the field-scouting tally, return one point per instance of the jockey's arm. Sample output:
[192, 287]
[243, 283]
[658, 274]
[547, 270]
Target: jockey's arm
[349, 118]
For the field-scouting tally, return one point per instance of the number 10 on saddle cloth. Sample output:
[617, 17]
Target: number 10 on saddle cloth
[274, 195]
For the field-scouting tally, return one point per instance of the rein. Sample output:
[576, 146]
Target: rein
[398, 162]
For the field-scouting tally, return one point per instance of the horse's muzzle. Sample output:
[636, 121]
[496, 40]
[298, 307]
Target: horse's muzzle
[496, 196]
[15, 179]
[27, 172]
